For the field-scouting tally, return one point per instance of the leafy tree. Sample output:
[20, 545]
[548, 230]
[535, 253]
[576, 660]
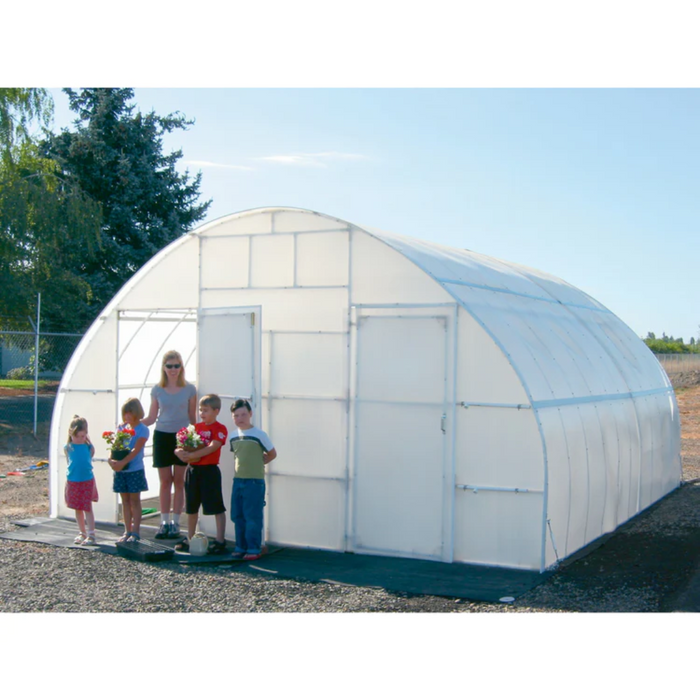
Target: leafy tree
[116, 155]
[45, 218]
[667, 345]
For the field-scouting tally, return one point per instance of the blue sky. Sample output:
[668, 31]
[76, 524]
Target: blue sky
[597, 186]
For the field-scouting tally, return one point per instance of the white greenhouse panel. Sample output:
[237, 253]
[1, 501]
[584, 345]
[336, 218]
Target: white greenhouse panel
[322, 259]
[306, 512]
[272, 261]
[484, 458]
[93, 364]
[303, 221]
[569, 478]
[402, 359]
[289, 309]
[169, 280]
[225, 261]
[498, 528]
[308, 364]
[245, 223]
[484, 374]
[399, 481]
[382, 275]
[309, 436]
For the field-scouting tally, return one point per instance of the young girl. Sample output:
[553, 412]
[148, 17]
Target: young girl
[81, 489]
[129, 474]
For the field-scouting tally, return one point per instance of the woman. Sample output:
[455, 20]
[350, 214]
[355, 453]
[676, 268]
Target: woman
[173, 406]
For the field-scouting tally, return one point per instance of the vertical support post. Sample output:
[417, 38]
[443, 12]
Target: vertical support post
[36, 361]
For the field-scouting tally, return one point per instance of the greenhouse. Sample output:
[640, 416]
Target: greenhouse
[425, 401]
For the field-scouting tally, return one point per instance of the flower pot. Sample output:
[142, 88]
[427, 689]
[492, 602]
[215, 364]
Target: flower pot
[118, 454]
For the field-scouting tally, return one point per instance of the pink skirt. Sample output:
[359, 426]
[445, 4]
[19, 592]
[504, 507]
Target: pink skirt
[81, 494]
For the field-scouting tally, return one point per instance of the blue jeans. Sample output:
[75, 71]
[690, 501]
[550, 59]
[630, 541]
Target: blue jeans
[247, 501]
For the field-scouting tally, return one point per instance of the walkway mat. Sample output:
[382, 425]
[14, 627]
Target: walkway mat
[61, 533]
[409, 576]
[412, 576]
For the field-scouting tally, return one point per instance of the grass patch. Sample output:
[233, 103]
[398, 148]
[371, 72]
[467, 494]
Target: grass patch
[27, 384]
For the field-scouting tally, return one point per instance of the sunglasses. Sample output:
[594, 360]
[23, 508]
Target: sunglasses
[173, 366]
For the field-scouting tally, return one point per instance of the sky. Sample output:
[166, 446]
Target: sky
[596, 186]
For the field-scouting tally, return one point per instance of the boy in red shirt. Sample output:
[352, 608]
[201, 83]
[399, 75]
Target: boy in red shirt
[203, 477]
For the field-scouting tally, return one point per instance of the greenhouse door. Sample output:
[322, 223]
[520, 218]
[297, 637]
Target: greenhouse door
[228, 364]
[401, 494]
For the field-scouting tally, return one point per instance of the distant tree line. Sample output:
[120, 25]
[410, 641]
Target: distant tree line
[83, 210]
[667, 345]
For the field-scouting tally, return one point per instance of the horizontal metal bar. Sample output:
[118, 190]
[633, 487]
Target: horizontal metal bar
[155, 319]
[292, 397]
[404, 306]
[468, 404]
[271, 332]
[476, 488]
[181, 310]
[436, 404]
[263, 289]
[203, 234]
[600, 398]
[134, 386]
[308, 476]
[87, 391]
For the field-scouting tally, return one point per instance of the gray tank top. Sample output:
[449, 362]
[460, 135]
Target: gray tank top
[172, 408]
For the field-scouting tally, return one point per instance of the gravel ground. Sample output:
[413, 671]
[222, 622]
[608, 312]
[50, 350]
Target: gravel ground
[641, 568]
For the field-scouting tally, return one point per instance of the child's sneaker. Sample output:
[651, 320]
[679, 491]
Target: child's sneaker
[216, 547]
[164, 532]
[173, 530]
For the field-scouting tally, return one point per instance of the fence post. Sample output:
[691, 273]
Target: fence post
[36, 361]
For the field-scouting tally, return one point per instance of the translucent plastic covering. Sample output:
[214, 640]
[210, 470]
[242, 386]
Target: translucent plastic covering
[424, 401]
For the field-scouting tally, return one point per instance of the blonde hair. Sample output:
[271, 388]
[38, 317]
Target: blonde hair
[211, 400]
[76, 424]
[134, 407]
[172, 355]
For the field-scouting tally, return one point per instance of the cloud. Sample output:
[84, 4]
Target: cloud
[209, 164]
[313, 160]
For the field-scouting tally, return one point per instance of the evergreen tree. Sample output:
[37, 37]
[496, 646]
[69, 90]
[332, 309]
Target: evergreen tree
[116, 155]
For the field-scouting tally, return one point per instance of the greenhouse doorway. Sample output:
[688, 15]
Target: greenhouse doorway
[401, 421]
[228, 364]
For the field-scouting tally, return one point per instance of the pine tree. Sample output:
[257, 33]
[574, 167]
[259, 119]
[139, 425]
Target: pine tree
[116, 155]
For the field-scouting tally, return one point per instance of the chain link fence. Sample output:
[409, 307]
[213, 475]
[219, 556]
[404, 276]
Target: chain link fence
[674, 363]
[31, 367]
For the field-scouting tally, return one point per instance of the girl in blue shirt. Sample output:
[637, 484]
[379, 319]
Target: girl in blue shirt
[129, 473]
[81, 490]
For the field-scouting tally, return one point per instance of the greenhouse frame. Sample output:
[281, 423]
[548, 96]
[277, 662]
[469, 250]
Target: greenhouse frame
[425, 401]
